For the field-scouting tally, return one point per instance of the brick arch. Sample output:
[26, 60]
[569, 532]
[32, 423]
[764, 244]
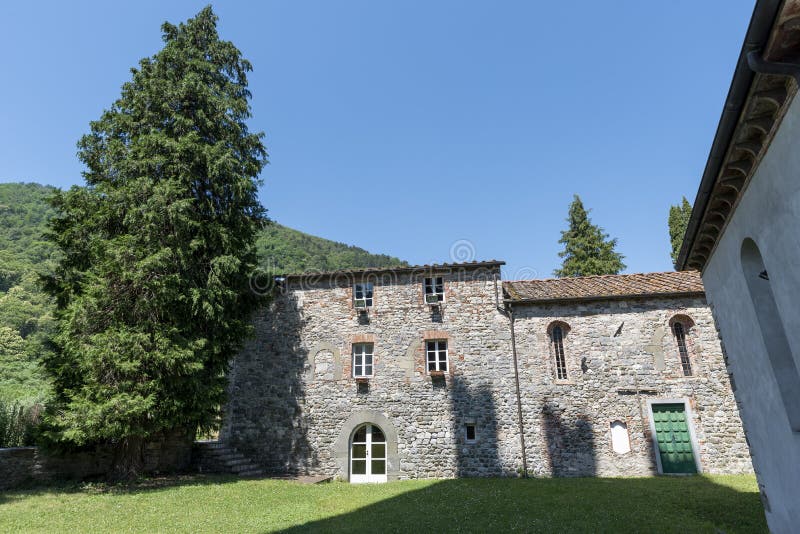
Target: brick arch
[689, 332]
[687, 321]
[565, 327]
[341, 447]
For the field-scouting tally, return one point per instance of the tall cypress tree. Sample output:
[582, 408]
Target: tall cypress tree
[587, 248]
[152, 289]
[678, 221]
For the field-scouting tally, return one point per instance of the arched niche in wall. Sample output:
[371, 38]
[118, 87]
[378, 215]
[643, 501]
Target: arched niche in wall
[620, 439]
[324, 362]
[781, 360]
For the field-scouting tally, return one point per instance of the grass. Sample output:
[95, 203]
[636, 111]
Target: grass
[216, 504]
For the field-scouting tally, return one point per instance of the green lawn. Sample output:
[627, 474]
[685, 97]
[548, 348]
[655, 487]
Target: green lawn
[219, 504]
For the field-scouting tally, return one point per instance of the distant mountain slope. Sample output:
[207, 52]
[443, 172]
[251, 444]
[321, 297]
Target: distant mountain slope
[284, 250]
[26, 312]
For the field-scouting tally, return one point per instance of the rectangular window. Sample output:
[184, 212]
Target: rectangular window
[362, 359]
[680, 336]
[437, 355]
[362, 295]
[434, 290]
[470, 431]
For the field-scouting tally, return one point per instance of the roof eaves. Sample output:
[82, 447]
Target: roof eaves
[403, 269]
[764, 15]
[626, 296]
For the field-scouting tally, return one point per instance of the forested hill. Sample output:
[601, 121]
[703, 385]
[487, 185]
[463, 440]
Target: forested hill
[25, 312]
[284, 250]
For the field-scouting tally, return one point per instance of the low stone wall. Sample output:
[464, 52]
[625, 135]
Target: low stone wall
[28, 465]
[21, 466]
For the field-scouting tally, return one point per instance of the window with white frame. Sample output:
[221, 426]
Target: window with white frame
[362, 295]
[363, 354]
[434, 289]
[437, 355]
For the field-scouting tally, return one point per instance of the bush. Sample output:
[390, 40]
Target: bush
[18, 423]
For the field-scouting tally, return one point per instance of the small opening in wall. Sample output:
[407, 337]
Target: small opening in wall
[470, 431]
[620, 439]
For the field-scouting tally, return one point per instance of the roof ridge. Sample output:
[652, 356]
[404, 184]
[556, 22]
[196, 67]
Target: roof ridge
[594, 276]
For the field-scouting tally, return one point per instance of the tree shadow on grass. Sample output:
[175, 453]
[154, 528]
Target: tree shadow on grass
[658, 504]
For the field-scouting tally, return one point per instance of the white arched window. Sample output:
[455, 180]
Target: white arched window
[620, 440]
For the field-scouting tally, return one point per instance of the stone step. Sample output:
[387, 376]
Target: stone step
[211, 444]
[247, 469]
[221, 457]
[239, 462]
[252, 473]
[228, 456]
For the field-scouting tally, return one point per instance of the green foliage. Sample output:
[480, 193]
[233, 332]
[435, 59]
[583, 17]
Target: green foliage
[25, 310]
[28, 311]
[678, 221]
[587, 248]
[18, 423]
[282, 250]
[21, 377]
[152, 288]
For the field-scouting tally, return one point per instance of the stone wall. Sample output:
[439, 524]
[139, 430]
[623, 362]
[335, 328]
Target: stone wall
[28, 465]
[620, 355]
[292, 394]
[294, 403]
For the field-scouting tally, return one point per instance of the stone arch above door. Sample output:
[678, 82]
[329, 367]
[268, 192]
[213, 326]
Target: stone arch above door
[341, 447]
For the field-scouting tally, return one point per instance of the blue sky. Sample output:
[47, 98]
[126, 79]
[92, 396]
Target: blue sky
[405, 127]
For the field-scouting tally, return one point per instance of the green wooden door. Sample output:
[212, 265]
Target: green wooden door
[674, 441]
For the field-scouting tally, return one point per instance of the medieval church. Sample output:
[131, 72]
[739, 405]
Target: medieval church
[446, 370]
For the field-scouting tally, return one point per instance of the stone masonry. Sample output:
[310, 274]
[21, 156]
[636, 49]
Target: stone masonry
[294, 403]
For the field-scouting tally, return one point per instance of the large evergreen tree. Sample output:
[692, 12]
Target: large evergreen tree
[587, 248]
[152, 287]
[678, 221]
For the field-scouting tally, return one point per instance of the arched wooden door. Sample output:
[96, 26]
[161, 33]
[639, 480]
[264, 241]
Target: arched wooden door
[368, 455]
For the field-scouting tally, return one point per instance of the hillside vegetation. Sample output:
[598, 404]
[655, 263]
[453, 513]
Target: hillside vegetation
[283, 250]
[26, 312]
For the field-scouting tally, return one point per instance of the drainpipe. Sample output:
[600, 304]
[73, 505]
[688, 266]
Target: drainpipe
[509, 312]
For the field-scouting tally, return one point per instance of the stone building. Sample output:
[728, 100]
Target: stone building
[444, 371]
[743, 236]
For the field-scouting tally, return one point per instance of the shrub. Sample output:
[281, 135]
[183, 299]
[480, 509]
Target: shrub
[18, 423]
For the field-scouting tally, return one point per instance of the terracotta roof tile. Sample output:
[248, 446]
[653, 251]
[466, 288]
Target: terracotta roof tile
[400, 269]
[605, 287]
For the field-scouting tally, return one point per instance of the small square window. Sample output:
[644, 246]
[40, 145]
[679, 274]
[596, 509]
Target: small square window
[436, 352]
[362, 295]
[363, 355]
[470, 431]
[434, 289]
